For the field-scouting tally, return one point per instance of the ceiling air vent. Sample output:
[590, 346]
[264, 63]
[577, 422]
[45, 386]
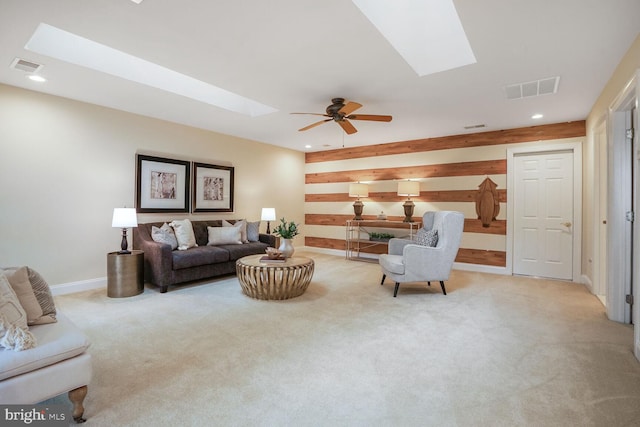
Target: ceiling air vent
[24, 65]
[475, 126]
[534, 88]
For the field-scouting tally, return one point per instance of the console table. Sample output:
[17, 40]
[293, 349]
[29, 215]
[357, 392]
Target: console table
[357, 239]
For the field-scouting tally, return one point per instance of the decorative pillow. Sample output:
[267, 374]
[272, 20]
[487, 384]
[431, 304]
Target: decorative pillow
[427, 237]
[224, 236]
[164, 235]
[14, 332]
[253, 231]
[184, 234]
[43, 295]
[19, 281]
[242, 225]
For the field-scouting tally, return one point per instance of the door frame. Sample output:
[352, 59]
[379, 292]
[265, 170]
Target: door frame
[541, 148]
[617, 308]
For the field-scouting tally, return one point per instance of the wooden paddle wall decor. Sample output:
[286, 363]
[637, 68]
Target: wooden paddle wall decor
[487, 202]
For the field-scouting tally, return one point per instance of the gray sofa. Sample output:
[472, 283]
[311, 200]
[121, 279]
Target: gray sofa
[164, 267]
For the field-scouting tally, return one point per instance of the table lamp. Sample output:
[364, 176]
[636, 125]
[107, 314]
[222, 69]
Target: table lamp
[358, 190]
[408, 188]
[124, 218]
[268, 214]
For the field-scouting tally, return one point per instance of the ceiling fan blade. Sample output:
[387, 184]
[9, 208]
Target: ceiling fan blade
[314, 114]
[372, 117]
[314, 125]
[347, 126]
[349, 108]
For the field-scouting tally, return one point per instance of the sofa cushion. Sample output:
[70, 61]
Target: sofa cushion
[392, 263]
[42, 292]
[184, 234]
[14, 332]
[202, 255]
[224, 236]
[56, 342]
[238, 251]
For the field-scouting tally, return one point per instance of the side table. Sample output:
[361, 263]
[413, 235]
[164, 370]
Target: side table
[125, 274]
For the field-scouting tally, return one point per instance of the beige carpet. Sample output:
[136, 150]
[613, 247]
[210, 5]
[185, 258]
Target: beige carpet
[496, 351]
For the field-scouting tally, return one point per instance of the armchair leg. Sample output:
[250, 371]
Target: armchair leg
[395, 291]
[76, 396]
[384, 276]
[442, 285]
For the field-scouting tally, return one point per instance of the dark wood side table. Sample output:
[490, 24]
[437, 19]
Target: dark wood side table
[125, 274]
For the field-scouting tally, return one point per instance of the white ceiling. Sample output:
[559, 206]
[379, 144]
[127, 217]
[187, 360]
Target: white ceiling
[295, 55]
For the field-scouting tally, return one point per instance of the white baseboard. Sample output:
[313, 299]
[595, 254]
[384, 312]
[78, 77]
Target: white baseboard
[83, 285]
[478, 268]
[584, 279]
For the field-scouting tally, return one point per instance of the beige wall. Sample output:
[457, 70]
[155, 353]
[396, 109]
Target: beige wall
[64, 166]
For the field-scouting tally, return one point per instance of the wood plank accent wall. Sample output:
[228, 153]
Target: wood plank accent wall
[469, 168]
[508, 136]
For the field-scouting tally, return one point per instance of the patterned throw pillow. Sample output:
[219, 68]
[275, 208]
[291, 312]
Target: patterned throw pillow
[427, 237]
[253, 231]
[165, 235]
[41, 291]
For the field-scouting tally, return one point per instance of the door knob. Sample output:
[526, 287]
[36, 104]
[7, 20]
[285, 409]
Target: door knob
[566, 224]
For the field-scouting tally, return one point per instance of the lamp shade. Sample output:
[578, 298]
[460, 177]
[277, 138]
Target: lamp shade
[268, 214]
[124, 218]
[408, 188]
[358, 190]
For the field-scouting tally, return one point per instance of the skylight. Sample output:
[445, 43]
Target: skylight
[428, 34]
[56, 43]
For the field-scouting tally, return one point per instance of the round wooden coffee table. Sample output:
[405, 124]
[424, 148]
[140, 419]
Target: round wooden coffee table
[274, 280]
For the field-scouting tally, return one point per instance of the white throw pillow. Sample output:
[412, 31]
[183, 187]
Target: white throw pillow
[253, 231]
[14, 332]
[184, 234]
[165, 235]
[242, 225]
[224, 236]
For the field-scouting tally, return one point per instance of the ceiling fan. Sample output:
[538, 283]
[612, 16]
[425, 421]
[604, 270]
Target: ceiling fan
[341, 114]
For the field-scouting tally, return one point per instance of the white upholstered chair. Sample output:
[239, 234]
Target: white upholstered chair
[408, 261]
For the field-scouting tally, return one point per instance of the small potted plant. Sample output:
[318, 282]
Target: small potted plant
[286, 231]
[380, 237]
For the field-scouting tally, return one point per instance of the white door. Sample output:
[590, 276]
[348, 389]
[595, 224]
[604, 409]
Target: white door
[543, 215]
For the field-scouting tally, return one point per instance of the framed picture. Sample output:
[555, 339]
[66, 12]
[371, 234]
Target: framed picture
[162, 185]
[212, 188]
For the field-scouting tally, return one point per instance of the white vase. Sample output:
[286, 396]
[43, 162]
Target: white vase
[286, 248]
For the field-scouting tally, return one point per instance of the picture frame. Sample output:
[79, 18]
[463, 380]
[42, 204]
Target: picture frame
[212, 188]
[162, 184]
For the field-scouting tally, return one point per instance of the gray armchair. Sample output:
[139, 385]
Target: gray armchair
[416, 261]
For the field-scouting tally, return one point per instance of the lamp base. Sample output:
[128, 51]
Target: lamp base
[268, 229]
[408, 211]
[124, 244]
[357, 210]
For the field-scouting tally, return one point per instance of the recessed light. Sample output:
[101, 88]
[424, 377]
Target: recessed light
[307, 146]
[36, 78]
[537, 116]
